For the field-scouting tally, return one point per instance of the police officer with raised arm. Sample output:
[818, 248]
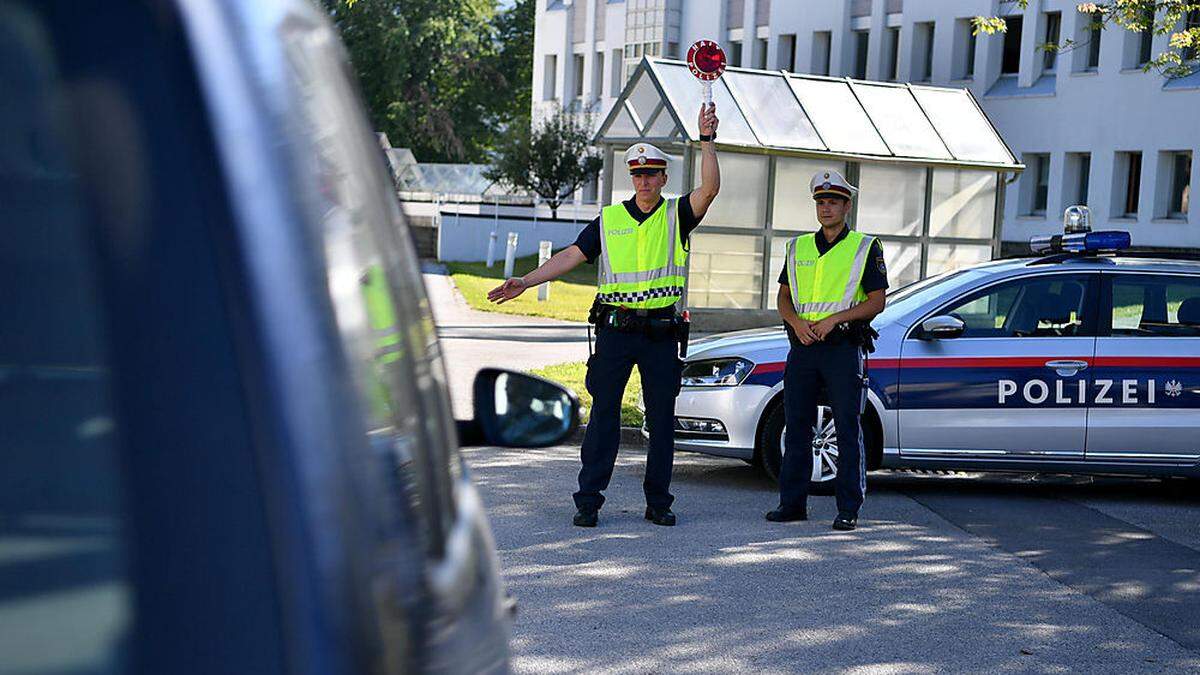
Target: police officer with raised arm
[640, 246]
[831, 286]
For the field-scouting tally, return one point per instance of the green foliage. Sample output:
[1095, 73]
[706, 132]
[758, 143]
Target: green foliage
[1162, 17]
[514, 61]
[571, 376]
[571, 294]
[553, 160]
[430, 70]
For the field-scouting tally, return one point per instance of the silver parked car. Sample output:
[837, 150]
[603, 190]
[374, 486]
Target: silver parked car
[1075, 361]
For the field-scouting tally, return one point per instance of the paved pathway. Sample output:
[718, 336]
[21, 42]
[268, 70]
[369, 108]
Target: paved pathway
[947, 574]
[471, 339]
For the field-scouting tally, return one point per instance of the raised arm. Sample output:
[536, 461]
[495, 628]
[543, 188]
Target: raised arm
[559, 264]
[710, 172]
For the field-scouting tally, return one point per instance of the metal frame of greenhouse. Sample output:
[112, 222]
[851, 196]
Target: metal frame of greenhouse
[930, 166]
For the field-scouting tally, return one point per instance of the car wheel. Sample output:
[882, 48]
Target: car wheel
[824, 449]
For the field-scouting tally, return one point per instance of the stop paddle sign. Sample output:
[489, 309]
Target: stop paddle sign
[706, 60]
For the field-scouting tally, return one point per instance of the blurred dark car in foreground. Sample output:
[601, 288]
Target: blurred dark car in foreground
[226, 442]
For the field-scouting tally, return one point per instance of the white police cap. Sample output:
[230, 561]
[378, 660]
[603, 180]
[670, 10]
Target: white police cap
[829, 182]
[643, 157]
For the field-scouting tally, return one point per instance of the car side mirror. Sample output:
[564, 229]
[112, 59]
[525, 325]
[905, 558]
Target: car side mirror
[518, 410]
[942, 328]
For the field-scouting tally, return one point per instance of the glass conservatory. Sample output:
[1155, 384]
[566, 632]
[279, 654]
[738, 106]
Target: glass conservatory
[930, 168]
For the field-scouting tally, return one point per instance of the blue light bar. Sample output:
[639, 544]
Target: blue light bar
[1082, 242]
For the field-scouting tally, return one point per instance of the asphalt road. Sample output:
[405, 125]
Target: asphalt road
[949, 573]
[470, 339]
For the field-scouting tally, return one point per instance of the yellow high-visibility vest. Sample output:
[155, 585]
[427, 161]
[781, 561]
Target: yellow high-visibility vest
[641, 266]
[823, 285]
[381, 314]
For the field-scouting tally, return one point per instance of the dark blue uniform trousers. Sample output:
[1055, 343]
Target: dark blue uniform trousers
[658, 363]
[839, 367]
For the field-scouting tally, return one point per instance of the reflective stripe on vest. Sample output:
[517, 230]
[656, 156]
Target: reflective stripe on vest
[642, 266]
[823, 285]
[381, 315]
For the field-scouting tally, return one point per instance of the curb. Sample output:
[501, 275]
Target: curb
[629, 436]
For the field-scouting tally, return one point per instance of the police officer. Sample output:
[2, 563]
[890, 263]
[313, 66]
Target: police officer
[641, 248]
[831, 286]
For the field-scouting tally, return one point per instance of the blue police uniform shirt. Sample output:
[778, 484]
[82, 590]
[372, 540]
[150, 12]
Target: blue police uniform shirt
[874, 276]
[588, 240]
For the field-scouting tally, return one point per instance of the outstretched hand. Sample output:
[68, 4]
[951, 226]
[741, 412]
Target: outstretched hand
[506, 291]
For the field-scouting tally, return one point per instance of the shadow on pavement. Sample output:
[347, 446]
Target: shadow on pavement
[725, 591]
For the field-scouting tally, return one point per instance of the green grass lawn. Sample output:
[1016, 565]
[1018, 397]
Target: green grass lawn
[570, 295]
[570, 375]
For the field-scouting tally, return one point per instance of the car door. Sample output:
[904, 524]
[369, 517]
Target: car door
[1148, 366]
[1013, 384]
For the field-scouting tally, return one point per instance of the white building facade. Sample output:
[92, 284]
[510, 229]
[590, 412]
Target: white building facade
[1089, 125]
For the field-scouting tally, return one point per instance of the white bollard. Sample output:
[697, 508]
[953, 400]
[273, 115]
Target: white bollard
[510, 255]
[543, 256]
[491, 259]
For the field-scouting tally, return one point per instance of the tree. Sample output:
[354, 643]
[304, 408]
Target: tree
[1178, 18]
[553, 160]
[427, 69]
[514, 62]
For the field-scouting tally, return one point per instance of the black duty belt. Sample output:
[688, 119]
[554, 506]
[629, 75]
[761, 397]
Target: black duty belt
[659, 323]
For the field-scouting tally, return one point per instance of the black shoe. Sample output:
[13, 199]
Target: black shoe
[660, 516]
[845, 523]
[782, 515]
[586, 518]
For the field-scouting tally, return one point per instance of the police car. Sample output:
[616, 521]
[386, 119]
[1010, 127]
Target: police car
[1083, 359]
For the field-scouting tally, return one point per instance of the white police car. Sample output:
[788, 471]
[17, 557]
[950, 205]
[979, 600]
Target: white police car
[1082, 360]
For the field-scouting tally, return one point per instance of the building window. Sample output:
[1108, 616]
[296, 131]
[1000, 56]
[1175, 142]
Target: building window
[550, 78]
[598, 75]
[578, 72]
[1010, 63]
[786, 59]
[964, 50]
[972, 42]
[1053, 33]
[1145, 47]
[760, 54]
[1037, 190]
[1087, 41]
[1127, 184]
[1192, 20]
[1180, 175]
[822, 41]
[735, 53]
[891, 54]
[1093, 58]
[1078, 176]
[862, 40]
[923, 53]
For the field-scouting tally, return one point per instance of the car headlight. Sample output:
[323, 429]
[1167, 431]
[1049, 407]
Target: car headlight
[716, 372]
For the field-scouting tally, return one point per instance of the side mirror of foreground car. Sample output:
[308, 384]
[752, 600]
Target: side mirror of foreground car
[942, 328]
[517, 410]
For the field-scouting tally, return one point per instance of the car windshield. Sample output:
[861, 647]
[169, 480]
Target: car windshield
[900, 300]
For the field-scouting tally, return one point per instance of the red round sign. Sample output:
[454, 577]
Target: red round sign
[706, 60]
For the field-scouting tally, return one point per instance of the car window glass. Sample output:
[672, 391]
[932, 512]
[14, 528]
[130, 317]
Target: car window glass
[1049, 306]
[1156, 306]
[65, 591]
[376, 300]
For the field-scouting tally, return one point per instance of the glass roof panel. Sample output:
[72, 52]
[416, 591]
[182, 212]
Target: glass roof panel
[663, 125]
[838, 116]
[773, 111]
[644, 97]
[684, 94]
[900, 120]
[962, 126]
[623, 126]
